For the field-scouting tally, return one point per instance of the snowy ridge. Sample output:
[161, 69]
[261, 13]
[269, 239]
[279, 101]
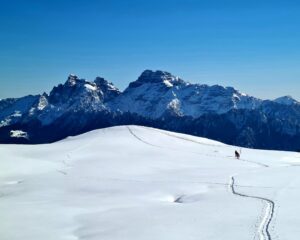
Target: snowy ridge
[286, 100]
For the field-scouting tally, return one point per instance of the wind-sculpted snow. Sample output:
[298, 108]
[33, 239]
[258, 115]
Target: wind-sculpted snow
[142, 183]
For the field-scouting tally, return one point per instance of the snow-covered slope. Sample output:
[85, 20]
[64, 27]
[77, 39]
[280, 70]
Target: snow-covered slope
[142, 183]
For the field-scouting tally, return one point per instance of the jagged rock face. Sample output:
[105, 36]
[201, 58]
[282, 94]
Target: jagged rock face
[155, 94]
[158, 99]
[285, 118]
[15, 109]
[149, 76]
[5, 103]
[107, 90]
[74, 91]
[151, 95]
[75, 95]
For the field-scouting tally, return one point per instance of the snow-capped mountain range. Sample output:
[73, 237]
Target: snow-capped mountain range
[156, 98]
[154, 94]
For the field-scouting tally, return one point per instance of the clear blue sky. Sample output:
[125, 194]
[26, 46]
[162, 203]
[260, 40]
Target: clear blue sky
[251, 45]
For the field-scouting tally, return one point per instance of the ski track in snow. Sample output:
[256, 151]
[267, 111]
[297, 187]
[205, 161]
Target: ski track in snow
[214, 145]
[265, 225]
[140, 139]
[189, 140]
[263, 228]
[61, 171]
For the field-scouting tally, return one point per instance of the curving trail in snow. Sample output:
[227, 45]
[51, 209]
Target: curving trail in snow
[140, 139]
[264, 226]
[208, 144]
[138, 183]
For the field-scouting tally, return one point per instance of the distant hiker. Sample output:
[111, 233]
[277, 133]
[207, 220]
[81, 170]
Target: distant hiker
[237, 155]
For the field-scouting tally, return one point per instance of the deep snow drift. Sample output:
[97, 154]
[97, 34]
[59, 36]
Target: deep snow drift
[141, 183]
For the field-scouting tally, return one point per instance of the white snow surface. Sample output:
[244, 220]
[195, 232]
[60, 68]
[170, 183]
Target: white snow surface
[90, 87]
[142, 183]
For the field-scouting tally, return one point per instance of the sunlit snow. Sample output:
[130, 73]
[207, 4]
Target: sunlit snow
[141, 183]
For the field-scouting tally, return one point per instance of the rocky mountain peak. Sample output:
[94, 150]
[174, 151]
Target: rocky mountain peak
[72, 80]
[100, 81]
[149, 76]
[107, 89]
[286, 100]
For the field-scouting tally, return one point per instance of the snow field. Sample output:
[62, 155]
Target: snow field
[134, 182]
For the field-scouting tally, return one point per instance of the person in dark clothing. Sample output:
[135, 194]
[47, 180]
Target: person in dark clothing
[237, 155]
